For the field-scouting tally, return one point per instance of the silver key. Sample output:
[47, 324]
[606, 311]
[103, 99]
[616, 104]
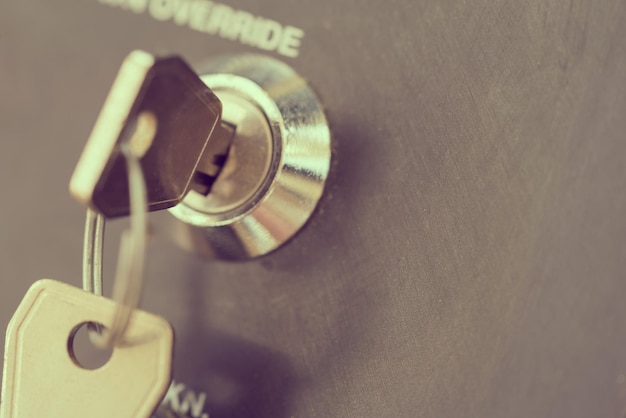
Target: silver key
[161, 111]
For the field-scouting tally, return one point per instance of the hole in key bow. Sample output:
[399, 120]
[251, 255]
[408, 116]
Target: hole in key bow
[83, 352]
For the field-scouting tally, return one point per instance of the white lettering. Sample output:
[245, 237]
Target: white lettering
[138, 6]
[180, 400]
[193, 403]
[239, 26]
[163, 9]
[268, 34]
[118, 3]
[181, 15]
[172, 396]
[222, 20]
[220, 14]
[199, 15]
[290, 42]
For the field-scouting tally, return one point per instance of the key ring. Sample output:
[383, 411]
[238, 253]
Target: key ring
[132, 252]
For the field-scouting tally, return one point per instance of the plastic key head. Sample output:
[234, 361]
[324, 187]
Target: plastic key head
[162, 112]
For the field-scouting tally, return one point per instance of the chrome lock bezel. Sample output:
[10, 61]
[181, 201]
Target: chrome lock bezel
[277, 167]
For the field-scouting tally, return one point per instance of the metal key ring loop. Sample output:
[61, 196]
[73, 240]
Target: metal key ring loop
[129, 274]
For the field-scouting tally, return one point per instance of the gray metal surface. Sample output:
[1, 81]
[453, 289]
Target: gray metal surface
[468, 258]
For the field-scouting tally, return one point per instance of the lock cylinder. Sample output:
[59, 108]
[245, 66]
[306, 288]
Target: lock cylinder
[274, 172]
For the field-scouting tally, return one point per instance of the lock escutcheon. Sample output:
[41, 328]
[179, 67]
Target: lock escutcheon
[276, 168]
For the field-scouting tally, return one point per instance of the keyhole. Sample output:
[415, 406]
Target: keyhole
[83, 352]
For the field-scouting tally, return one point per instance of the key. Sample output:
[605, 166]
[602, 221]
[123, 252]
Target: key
[42, 377]
[163, 112]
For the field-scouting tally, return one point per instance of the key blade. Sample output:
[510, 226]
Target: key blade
[41, 377]
[167, 114]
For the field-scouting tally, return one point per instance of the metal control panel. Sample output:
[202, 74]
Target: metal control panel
[467, 256]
